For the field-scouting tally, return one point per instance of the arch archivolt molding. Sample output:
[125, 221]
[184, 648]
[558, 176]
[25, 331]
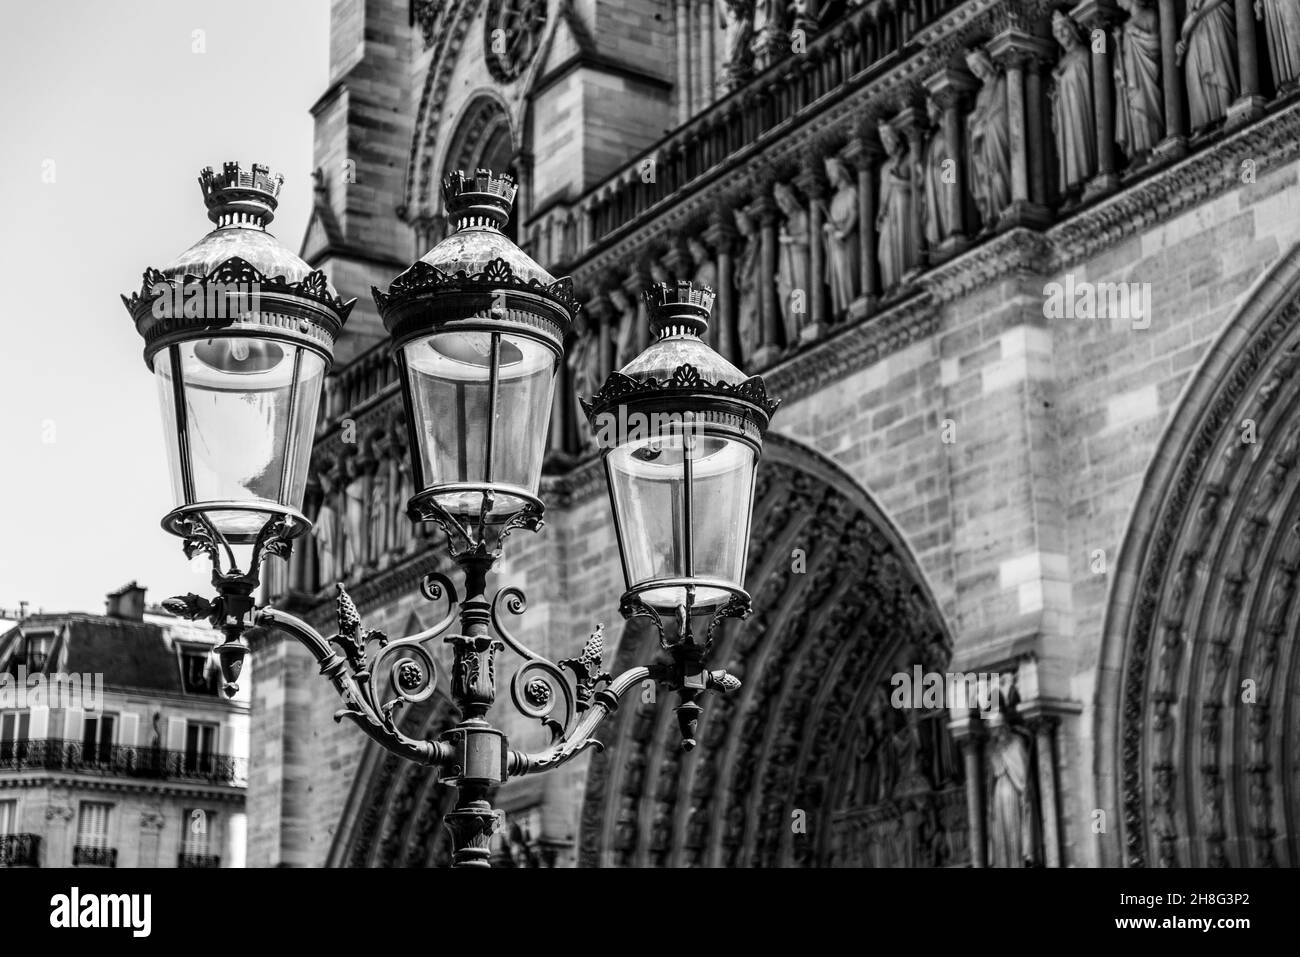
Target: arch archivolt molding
[1200, 665]
[822, 643]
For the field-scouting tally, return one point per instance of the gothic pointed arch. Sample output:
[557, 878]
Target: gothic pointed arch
[807, 764]
[393, 815]
[1196, 718]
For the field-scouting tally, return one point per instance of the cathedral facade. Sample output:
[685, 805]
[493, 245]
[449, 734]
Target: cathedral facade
[1027, 278]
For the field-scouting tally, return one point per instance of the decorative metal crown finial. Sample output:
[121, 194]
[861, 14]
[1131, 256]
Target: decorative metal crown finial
[237, 197]
[483, 200]
[679, 308]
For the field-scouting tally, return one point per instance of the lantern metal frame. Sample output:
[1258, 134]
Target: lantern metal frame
[495, 301]
[737, 411]
[375, 677]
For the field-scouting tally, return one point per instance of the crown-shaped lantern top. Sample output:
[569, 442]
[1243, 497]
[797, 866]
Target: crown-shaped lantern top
[481, 201]
[239, 197]
[679, 308]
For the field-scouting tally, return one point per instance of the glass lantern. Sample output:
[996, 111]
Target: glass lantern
[239, 333]
[478, 330]
[680, 431]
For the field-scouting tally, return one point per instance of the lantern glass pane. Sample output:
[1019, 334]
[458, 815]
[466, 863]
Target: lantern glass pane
[242, 424]
[450, 381]
[648, 478]
[162, 367]
[722, 489]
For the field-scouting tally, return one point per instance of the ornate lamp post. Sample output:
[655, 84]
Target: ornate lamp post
[477, 331]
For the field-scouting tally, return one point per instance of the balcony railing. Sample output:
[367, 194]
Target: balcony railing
[83, 856]
[198, 860]
[53, 754]
[20, 850]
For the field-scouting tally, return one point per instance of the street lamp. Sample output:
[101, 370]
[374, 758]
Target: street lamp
[239, 333]
[477, 331]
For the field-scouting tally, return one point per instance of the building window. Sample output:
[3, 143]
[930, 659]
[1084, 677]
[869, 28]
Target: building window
[97, 739]
[196, 848]
[196, 673]
[37, 651]
[8, 817]
[92, 836]
[200, 746]
[14, 728]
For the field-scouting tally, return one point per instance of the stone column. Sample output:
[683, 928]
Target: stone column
[1037, 126]
[812, 182]
[864, 151]
[1101, 15]
[949, 88]
[1175, 141]
[1044, 728]
[766, 212]
[708, 77]
[721, 235]
[968, 733]
[1016, 50]
[684, 104]
[1249, 103]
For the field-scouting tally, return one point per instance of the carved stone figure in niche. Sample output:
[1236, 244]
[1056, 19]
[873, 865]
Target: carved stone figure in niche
[939, 177]
[989, 135]
[792, 262]
[736, 17]
[354, 515]
[624, 318]
[378, 514]
[706, 272]
[841, 236]
[899, 244]
[1282, 27]
[1011, 829]
[1072, 115]
[402, 534]
[325, 532]
[748, 280]
[625, 830]
[1207, 49]
[1139, 99]
[583, 362]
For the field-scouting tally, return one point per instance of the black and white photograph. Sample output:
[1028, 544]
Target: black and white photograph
[650, 436]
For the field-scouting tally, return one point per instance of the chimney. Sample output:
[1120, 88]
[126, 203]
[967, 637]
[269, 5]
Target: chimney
[127, 603]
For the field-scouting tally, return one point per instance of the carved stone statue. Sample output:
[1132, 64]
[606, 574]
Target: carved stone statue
[706, 272]
[899, 244]
[748, 282]
[625, 317]
[736, 17]
[1282, 26]
[792, 261]
[989, 136]
[378, 514]
[325, 532]
[939, 160]
[584, 363]
[1072, 114]
[354, 517]
[1011, 831]
[1139, 99]
[1207, 48]
[841, 236]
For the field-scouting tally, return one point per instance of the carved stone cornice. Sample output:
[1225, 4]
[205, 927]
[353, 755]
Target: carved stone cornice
[855, 347]
[1015, 251]
[1268, 142]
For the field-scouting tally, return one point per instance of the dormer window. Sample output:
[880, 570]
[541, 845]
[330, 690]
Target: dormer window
[197, 675]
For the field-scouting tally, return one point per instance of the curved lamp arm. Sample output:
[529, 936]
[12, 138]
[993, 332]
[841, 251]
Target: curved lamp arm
[410, 669]
[605, 702]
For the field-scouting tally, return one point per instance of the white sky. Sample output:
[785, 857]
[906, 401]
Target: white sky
[113, 93]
